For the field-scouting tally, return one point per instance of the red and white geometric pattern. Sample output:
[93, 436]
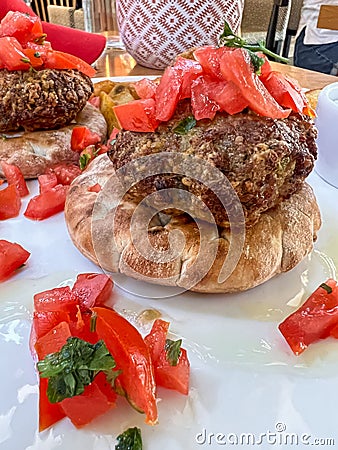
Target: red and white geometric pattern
[155, 31]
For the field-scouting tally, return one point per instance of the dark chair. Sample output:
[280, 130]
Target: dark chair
[291, 30]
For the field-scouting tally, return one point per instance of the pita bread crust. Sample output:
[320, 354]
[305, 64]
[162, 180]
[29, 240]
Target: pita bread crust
[100, 229]
[35, 151]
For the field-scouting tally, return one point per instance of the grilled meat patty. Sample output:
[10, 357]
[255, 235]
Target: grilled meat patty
[43, 99]
[265, 160]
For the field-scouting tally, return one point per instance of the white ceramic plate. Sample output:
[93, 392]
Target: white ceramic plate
[246, 385]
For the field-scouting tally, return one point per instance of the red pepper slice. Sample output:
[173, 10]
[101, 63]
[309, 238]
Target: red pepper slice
[14, 176]
[12, 256]
[132, 356]
[314, 320]
[10, 202]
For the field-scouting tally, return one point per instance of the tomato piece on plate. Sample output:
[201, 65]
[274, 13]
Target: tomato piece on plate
[10, 202]
[57, 299]
[189, 70]
[47, 204]
[84, 408]
[169, 376]
[82, 137]
[145, 88]
[21, 26]
[12, 256]
[49, 413]
[203, 107]
[52, 341]
[167, 94]
[137, 115]
[236, 67]
[132, 356]
[314, 320]
[14, 176]
[65, 172]
[58, 60]
[92, 289]
[47, 181]
[45, 321]
[11, 54]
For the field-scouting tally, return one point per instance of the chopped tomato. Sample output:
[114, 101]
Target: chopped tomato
[314, 320]
[167, 94]
[57, 299]
[59, 60]
[45, 321]
[95, 188]
[49, 413]
[11, 55]
[47, 204]
[92, 289]
[236, 67]
[92, 403]
[209, 58]
[137, 115]
[203, 107]
[10, 202]
[145, 88]
[132, 356]
[36, 60]
[189, 70]
[174, 377]
[47, 181]
[23, 27]
[65, 173]
[14, 176]
[52, 341]
[12, 256]
[82, 137]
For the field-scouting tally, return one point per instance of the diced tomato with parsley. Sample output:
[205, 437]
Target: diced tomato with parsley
[314, 320]
[10, 202]
[92, 289]
[82, 137]
[23, 27]
[12, 256]
[11, 55]
[53, 340]
[168, 374]
[14, 176]
[137, 115]
[47, 204]
[132, 356]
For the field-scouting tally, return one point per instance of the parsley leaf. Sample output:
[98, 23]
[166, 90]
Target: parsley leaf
[129, 440]
[185, 125]
[74, 367]
[173, 351]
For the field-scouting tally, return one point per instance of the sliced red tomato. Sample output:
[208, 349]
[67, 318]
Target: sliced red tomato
[92, 403]
[65, 172]
[49, 413]
[166, 375]
[11, 55]
[47, 181]
[314, 320]
[45, 321]
[209, 58]
[203, 107]
[21, 26]
[14, 176]
[145, 88]
[132, 356]
[82, 137]
[138, 115]
[10, 202]
[92, 289]
[57, 299]
[59, 60]
[12, 256]
[47, 204]
[167, 94]
[236, 67]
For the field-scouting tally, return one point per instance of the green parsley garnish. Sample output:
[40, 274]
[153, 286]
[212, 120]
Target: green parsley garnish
[173, 351]
[185, 125]
[129, 440]
[229, 39]
[74, 367]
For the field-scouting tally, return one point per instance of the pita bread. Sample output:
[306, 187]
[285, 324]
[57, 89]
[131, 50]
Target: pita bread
[33, 152]
[105, 230]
